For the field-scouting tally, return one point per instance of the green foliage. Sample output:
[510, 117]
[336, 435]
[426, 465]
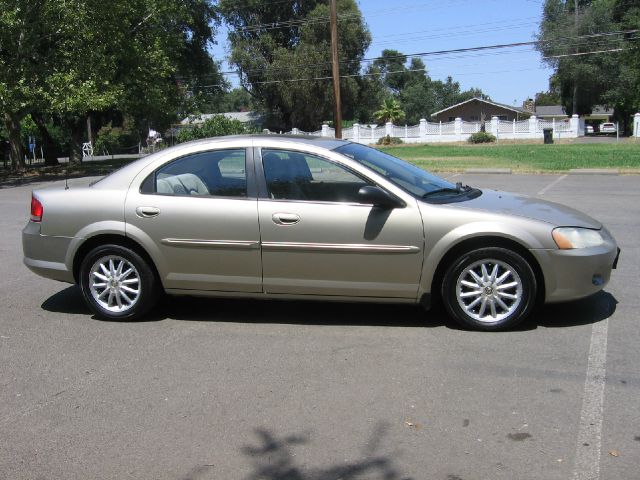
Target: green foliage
[67, 58]
[482, 137]
[389, 140]
[236, 100]
[581, 80]
[111, 140]
[389, 111]
[269, 58]
[551, 97]
[216, 126]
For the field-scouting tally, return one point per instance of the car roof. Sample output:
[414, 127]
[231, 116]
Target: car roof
[325, 142]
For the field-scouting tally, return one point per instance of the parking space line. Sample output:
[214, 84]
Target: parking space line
[557, 180]
[587, 466]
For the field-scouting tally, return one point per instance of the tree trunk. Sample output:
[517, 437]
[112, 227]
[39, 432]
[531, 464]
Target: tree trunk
[16, 152]
[75, 145]
[49, 145]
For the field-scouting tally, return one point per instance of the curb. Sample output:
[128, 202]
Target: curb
[506, 171]
[594, 171]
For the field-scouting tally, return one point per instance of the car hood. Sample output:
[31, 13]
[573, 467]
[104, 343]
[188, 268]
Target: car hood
[495, 201]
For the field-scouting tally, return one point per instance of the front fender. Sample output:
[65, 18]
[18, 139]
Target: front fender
[437, 248]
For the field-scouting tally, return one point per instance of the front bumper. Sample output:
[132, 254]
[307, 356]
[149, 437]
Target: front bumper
[45, 255]
[577, 273]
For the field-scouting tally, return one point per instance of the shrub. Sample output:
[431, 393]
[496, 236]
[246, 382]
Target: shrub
[112, 139]
[388, 140]
[216, 126]
[482, 137]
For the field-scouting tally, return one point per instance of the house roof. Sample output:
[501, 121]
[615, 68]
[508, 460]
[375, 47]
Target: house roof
[550, 111]
[559, 111]
[488, 102]
[244, 117]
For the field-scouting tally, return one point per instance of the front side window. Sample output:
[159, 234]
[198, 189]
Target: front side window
[216, 173]
[407, 176]
[297, 176]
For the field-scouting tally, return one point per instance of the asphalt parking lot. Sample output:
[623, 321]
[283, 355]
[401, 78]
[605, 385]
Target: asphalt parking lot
[234, 389]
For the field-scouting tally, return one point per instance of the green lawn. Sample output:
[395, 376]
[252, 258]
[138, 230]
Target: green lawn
[522, 157]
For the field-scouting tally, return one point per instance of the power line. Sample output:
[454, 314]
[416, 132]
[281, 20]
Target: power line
[371, 74]
[582, 41]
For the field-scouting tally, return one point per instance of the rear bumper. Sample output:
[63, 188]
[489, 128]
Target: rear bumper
[45, 255]
[578, 273]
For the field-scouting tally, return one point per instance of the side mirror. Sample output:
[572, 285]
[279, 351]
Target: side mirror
[378, 197]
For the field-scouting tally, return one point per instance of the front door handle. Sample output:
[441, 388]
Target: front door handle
[285, 218]
[147, 212]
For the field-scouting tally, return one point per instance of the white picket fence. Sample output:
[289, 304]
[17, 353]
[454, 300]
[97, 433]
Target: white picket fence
[456, 131]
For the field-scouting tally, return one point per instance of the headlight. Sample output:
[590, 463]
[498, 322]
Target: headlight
[571, 237]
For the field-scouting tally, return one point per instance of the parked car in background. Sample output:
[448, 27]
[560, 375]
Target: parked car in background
[297, 217]
[588, 129]
[608, 128]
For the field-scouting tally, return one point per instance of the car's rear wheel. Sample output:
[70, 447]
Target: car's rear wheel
[117, 283]
[489, 289]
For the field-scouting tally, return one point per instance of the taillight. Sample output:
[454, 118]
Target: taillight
[36, 210]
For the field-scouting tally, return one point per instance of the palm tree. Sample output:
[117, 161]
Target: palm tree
[390, 111]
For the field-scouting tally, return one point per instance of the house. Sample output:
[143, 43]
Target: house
[478, 109]
[474, 109]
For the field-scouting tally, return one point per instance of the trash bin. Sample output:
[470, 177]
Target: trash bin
[548, 135]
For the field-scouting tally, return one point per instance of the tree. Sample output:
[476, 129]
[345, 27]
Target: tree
[282, 50]
[623, 93]
[550, 97]
[236, 100]
[566, 40]
[68, 59]
[583, 78]
[389, 111]
[371, 93]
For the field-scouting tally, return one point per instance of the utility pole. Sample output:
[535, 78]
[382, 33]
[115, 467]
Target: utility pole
[337, 109]
[575, 79]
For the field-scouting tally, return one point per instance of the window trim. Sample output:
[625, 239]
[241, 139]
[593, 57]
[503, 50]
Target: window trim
[263, 191]
[251, 186]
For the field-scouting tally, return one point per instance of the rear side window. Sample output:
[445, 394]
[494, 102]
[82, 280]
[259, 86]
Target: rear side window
[219, 173]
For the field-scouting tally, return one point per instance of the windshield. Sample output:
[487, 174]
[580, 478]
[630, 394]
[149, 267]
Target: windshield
[408, 177]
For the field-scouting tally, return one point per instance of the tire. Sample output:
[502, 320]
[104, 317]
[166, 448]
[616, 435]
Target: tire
[489, 289]
[117, 283]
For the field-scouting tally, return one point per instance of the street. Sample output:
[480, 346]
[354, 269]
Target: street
[235, 389]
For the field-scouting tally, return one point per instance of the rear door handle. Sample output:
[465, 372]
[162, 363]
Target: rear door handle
[147, 212]
[285, 218]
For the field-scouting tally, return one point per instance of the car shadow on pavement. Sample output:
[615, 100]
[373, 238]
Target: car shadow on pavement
[67, 301]
[198, 309]
[296, 312]
[589, 310]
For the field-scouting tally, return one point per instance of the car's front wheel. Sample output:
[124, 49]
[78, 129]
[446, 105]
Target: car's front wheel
[489, 289]
[117, 283]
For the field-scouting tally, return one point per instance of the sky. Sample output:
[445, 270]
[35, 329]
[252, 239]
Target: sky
[508, 76]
